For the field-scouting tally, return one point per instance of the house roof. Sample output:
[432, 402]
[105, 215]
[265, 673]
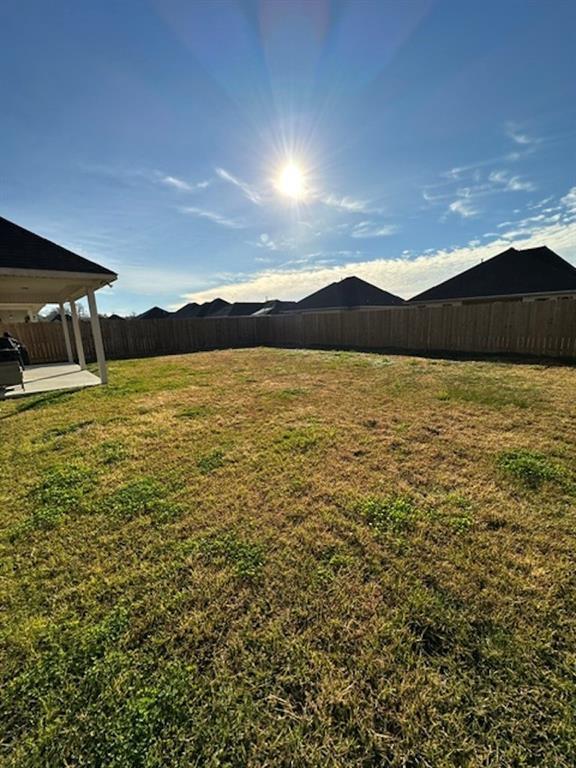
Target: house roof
[512, 272]
[154, 313]
[22, 249]
[275, 307]
[239, 309]
[188, 310]
[348, 293]
[210, 307]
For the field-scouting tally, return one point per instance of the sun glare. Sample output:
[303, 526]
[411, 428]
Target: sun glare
[292, 182]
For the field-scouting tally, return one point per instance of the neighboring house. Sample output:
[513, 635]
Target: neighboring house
[221, 308]
[209, 308]
[349, 293]
[154, 313]
[54, 316]
[532, 274]
[188, 310]
[115, 317]
[275, 307]
[216, 307]
[240, 309]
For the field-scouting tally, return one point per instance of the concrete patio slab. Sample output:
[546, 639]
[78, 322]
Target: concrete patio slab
[49, 378]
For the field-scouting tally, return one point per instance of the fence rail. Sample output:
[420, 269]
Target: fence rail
[540, 328]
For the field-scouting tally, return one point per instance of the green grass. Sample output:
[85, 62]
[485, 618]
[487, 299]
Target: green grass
[61, 491]
[458, 512]
[394, 513]
[144, 496]
[291, 559]
[300, 439]
[531, 469]
[492, 391]
[112, 451]
[245, 557]
[290, 392]
[210, 461]
[193, 412]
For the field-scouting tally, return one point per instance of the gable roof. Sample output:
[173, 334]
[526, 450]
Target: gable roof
[22, 249]
[188, 310]
[210, 307]
[348, 293]
[512, 272]
[239, 309]
[154, 313]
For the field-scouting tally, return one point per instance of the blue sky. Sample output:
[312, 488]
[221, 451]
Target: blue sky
[149, 135]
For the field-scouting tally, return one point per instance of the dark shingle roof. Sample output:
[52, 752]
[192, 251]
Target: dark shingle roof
[348, 293]
[512, 272]
[21, 249]
[154, 313]
[210, 307]
[188, 310]
[239, 309]
[275, 307]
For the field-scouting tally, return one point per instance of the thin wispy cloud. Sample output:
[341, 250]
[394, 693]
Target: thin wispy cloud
[526, 145]
[216, 218]
[366, 229]
[315, 260]
[183, 186]
[137, 176]
[346, 203]
[172, 181]
[148, 280]
[569, 200]
[520, 136]
[511, 183]
[464, 200]
[541, 203]
[460, 172]
[434, 198]
[464, 207]
[530, 221]
[248, 190]
[267, 242]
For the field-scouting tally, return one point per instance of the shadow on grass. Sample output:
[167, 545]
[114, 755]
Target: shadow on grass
[38, 402]
[480, 357]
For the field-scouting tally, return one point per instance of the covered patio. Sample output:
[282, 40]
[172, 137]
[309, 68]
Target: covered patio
[38, 379]
[35, 272]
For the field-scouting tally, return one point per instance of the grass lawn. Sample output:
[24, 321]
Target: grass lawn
[291, 558]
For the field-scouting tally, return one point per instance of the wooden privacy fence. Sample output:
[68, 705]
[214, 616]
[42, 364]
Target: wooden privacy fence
[540, 328]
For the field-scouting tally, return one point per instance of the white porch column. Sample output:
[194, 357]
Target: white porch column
[97, 335]
[77, 336]
[66, 331]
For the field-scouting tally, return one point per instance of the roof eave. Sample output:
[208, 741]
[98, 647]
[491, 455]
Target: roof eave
[490, 297]
[102, 277]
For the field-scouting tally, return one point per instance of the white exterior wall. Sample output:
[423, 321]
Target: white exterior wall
[12, 315]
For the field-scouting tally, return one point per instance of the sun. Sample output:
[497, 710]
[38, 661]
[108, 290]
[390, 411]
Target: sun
[292, 182]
